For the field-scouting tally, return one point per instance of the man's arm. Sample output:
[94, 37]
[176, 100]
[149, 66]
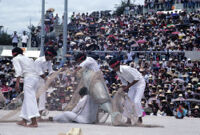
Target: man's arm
[126, 88]
[17, 85]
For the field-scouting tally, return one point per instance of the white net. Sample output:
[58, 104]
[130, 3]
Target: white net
[62, 88]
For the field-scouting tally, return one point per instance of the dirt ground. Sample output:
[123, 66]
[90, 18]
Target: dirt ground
[152, 125]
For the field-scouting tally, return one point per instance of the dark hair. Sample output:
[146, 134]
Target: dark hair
[83, 91]
[50, 52]
[113, 61]
[80, 56]
[17, 51]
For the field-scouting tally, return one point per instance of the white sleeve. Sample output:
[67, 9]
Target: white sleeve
[86, 63]
[132, 74]
[17, 67]
[124, 82]
[50, 68]
[80, 105]
[38, 66]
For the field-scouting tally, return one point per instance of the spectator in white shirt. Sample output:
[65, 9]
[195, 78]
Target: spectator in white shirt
[15, 39]
[24, 39]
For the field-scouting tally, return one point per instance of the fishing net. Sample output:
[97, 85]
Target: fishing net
[119, 106]
[15, 104]
[62, 88]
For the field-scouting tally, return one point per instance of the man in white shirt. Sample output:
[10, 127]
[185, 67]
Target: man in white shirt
[25, 67]
[44, 65]
[99, 91]
[133, 82]
[84, 112]
[86, 62]
[24, 38]
[15, 39]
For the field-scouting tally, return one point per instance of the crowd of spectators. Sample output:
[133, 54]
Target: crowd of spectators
[167, 4]
[172, 82]
[157, 32]
[153, 44]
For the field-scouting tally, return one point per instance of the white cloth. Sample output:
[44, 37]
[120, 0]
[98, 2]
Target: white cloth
[24, 38]
[127, 75]
[84, 112]
[29, 106]
[42, 98]
[91, 64]
[14, 39]
[25, 66]
[42, 65]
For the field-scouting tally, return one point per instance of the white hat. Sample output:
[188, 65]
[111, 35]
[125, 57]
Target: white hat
[180, 95]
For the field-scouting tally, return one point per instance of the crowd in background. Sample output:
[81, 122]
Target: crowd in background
[151, 4]
[172, 80]
[157, 32]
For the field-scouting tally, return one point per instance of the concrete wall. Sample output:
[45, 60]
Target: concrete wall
[193, 55]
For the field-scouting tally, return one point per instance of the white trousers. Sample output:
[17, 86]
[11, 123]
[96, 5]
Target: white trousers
[29, 106]
[70, 116]
[42, 98]
[135, 94]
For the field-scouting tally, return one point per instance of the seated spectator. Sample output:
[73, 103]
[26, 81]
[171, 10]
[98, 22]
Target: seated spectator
[195, 112]
[180, 112]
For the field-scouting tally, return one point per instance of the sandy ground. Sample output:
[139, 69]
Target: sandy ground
[152, 126]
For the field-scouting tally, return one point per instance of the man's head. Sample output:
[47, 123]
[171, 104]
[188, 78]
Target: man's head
[114, 64]
[50, 53]
[83, 91]
[80, 57]
[16, 51]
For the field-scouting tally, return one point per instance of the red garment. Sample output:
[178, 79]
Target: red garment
[5, 88]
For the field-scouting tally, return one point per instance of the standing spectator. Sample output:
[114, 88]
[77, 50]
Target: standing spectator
[15, 39]
[24, 39]
[57, 20]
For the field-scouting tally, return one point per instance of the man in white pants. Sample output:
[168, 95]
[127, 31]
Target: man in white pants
[133, 82]
[25, 67]
[43, 65]
[84, 112]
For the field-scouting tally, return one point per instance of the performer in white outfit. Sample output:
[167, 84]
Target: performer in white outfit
[84, 112]
[99, 92]
[87, 62]
[44, 65]
[25, 67]
[133, 82]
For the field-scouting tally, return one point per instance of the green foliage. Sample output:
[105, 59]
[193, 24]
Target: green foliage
[5, 39]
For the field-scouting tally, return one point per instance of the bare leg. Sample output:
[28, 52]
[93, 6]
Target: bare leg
[33, 122]
[23, 122]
